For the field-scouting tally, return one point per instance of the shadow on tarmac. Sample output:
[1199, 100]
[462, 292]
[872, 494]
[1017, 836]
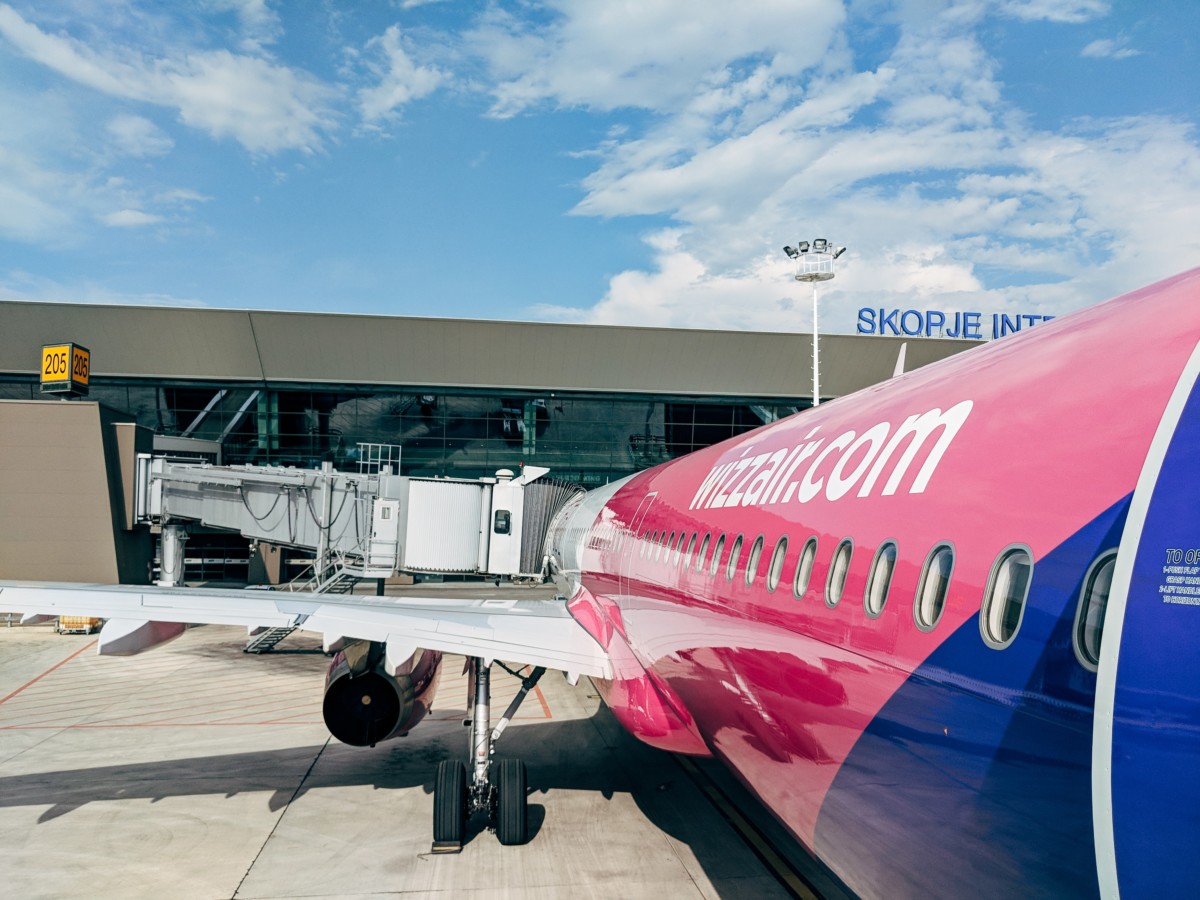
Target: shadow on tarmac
[591, 755]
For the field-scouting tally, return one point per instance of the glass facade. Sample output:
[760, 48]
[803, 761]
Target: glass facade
[587, 438]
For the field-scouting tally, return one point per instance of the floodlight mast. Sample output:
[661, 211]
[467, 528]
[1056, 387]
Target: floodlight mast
[815, 263]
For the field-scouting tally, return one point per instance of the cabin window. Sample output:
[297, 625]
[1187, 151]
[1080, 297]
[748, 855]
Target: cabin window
[880, 580]
[668, 546]
[804, 567]
[753, 560]
[716, 557]
[735, 553]
[775, 572]
[839, 567]
[1089, 616]
[933, 586]
[1004, 598]
[703, 554]
[642, 544]
[687, 554]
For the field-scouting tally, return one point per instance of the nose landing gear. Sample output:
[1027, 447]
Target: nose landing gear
[500, 793]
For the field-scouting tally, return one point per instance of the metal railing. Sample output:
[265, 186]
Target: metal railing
[374, 459]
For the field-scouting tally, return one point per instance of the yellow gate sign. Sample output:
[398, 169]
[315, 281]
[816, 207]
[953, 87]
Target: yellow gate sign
[65, 368]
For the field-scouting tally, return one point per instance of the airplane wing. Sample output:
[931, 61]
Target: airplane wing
[506, 624]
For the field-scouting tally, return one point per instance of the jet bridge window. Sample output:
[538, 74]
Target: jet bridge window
[804, 567]
[703, 554]
[933, 586]
[880, 580]
[1005, 595]
[775, 572]
[716, 557]
[753, 560]
[839, 567]
[735, 553]
[1089, 615]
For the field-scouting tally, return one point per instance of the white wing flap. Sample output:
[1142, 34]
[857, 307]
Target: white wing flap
[536, 632]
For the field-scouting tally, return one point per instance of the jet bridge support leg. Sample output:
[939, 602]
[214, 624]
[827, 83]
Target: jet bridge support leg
[500, 790]
[174, 536]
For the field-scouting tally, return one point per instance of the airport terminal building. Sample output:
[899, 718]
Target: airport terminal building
[446, 397]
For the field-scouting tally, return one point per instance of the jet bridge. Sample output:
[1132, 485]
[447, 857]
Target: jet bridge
[358, 525]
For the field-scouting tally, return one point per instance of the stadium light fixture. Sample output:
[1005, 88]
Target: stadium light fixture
[814, 267]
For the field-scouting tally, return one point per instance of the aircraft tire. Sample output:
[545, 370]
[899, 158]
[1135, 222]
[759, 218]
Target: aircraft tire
[449, 803]
[510, 802]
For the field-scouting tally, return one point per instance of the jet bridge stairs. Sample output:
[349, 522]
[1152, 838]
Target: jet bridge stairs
[338, 579]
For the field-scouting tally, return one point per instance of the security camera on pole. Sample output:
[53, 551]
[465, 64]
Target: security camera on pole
[814, 262]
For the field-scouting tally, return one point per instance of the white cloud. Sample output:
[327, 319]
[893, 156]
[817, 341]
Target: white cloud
[138, 136]
[130, 218]
[399, 79]
[18, 284]
[1108, 49]
[682, 292]
[650, 54]
[27, 216]
[945, 192]
[180, 197]
[1056, 10]
[54, 183]
[264, 106]
[260, 24]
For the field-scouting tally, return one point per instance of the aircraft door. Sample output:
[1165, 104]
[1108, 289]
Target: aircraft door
[384, 550]
[1146, 732]
[630, 551]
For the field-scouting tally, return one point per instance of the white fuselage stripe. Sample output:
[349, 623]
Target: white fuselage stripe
[1114, 621]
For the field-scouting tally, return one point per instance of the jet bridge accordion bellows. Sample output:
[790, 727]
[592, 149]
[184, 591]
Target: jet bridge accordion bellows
[544, 499]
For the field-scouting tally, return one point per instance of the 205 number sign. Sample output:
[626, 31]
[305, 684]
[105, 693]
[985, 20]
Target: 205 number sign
[65, 368]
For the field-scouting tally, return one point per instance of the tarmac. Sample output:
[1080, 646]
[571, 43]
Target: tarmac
[197, 771]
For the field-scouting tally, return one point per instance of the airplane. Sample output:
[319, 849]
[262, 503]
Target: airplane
[943, 628]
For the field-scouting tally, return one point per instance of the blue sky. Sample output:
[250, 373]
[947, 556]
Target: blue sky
[617, 162]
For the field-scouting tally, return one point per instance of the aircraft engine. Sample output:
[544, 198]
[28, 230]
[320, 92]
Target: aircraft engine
[365, 705]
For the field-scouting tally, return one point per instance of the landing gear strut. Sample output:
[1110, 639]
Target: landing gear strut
[498, 791]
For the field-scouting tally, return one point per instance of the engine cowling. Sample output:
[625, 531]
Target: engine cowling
[364, 705]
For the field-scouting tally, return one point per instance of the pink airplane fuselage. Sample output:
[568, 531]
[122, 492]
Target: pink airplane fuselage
[907, 754]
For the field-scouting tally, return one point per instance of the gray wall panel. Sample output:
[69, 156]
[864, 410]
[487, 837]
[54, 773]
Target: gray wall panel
[132, 340]
[314, 348]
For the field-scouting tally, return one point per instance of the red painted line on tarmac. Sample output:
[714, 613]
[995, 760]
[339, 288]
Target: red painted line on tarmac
[541, 699]
[29, 684]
